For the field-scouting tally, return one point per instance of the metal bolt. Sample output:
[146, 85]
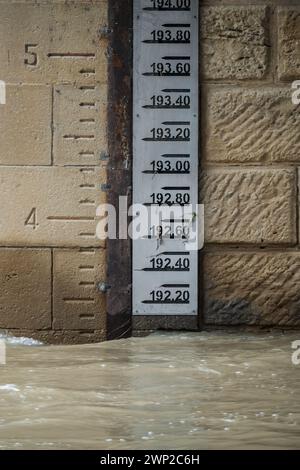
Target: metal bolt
[104, 157]
[104, 32]
[105, 187]
[103, 287]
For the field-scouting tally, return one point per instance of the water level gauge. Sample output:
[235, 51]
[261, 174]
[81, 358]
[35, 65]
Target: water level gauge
[165, 146]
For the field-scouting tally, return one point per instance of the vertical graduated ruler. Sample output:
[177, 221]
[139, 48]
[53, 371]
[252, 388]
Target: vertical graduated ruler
[165, 148]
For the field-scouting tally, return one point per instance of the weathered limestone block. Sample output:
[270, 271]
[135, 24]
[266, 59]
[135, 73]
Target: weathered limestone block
[80, 116]
[289, 43]
[299, 201]
[236, 2]
[50, 206]
[53, 60]
[25, 125]
[25, 288]
[249, 205]
[252, 289]
[253, 125]
[234, 42]
[53, 42]
[62, 336]
[77, 302]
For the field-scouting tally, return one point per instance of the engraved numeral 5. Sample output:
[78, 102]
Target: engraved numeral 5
[31, 58]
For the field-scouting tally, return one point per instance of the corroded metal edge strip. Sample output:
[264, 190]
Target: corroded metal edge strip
[119, 173]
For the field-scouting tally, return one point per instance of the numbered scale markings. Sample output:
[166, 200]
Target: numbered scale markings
[165, 146]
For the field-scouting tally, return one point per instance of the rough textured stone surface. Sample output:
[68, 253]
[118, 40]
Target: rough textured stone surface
[299, 203]
[79, 125]
[235, 42]
[250, 125]
[53, 42]
[252, 289]
[242, 2]
[289, 43]
[174, 322]
[33, 145]
[25, 288]
[50, 206]
[53, 58]
[249, 206]
[77, 302]
[60, 336]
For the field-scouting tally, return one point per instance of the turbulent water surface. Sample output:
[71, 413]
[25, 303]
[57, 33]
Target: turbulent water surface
[166, 391]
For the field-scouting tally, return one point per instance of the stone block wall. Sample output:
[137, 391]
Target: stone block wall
[53, 59]
[53, 149]
[250, 158]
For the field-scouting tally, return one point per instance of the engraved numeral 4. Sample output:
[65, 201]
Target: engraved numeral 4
[32, 220]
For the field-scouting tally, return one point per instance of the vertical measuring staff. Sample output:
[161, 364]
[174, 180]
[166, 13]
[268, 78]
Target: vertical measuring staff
[165, 160]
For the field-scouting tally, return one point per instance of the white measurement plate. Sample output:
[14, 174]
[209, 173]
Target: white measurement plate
[165, 146]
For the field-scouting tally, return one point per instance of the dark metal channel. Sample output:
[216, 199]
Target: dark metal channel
[119, 252]
[120, 322]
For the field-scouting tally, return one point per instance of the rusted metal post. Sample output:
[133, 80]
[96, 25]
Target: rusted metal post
[119, 311]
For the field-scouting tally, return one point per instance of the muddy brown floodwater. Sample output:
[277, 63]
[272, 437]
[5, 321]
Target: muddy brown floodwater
[166, 391]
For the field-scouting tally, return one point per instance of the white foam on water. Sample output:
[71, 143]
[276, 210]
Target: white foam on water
[22, 341]
[9, 388]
